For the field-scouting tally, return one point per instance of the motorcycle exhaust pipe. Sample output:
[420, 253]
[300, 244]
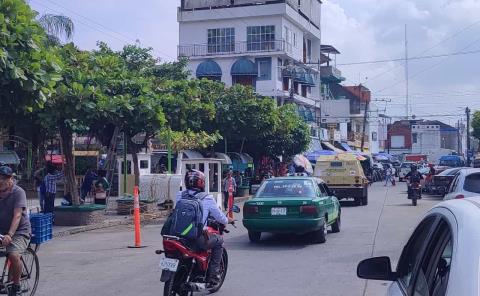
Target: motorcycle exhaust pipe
[196, 287]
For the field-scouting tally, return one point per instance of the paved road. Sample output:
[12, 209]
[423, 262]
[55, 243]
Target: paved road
[98, 262]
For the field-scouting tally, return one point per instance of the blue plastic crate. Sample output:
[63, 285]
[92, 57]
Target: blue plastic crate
[41, 227]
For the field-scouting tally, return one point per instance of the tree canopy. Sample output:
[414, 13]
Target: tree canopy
[476, 124]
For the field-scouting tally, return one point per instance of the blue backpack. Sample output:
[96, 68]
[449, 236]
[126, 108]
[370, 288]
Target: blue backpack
[186, 220]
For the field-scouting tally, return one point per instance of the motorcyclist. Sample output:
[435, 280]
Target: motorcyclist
[195, 183]
[414, 176]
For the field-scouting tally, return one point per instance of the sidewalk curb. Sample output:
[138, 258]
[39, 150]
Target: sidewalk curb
[119, 222]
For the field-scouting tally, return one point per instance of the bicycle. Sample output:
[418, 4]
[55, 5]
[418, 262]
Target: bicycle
[30, 271]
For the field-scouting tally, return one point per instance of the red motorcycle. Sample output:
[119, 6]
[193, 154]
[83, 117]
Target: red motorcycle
[185, 270]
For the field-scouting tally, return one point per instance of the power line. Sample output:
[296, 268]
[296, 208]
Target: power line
[450, 37]
[458, 53]
[105, 30]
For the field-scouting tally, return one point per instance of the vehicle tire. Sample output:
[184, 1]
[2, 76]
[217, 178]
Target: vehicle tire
[365, 200]
[414, 202]
[171, 286]
[337, 224]
[254, 236]
[358, 201]
[223, 272]
[319, 236]
[30, 272]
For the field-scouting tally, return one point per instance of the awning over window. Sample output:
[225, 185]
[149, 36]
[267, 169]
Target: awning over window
[208, 68]
[244, 67]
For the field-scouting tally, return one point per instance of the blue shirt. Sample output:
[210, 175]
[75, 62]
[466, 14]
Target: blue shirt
[210, 208]
[51, 182]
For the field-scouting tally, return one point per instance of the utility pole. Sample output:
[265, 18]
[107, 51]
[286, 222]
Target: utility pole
[364, 120]
[407, 99]
[459, 151]
[467, 110]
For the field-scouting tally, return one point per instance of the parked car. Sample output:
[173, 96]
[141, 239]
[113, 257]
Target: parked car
[405, 168]
[294, 204]
[441, 258]
[441, 182]
[344, 176]
[466, 183]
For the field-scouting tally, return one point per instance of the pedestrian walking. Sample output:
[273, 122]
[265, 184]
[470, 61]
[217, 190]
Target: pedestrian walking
[388, 176]
[38, 178]
[226, 183]
[51, 179]
[394, 174]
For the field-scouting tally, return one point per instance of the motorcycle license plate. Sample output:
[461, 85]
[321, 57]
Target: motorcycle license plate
[279, 211]
[169, 264]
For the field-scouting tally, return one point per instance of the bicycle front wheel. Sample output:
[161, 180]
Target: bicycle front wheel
[30, 272]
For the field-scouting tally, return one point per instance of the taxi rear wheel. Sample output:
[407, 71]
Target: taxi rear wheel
[319, 236]
[337, 224]
[254, 236]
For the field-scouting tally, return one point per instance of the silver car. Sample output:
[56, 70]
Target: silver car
[442, 257]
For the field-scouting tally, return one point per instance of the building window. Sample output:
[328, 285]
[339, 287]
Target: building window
[286, 84]
[287, 37]
[309, 50]
[245, 80]
[294, 40]
[304, 91]
[221, 40]
[260, 38]
[144, 164]
[415, 138]
[264, 66]
[279, 69]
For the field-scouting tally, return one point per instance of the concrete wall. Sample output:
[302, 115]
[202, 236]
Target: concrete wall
[428, 138]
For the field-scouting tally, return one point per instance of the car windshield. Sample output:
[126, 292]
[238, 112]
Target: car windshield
[449, 162]
[472, 183]
[287, 188]
[406, 165]
[449, 172]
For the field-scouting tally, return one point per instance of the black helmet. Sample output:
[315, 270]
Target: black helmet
[413, 167]
[195, 180]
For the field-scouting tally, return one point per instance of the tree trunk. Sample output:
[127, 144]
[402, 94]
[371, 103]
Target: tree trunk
[69, 168]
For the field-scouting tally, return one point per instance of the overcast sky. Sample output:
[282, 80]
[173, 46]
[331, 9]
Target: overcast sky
[362, 30]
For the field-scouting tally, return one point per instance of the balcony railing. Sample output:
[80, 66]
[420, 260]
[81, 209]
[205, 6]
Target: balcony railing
[329, 73]
[205, 50]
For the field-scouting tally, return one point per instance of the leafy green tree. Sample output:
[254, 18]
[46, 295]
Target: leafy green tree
[476, 124]
[28, 71]
[57, 27]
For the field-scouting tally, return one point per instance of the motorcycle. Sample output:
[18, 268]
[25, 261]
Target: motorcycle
[414, 192]
[184, 269]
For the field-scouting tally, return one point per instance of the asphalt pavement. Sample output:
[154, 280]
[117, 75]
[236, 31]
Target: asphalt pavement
[100, 263]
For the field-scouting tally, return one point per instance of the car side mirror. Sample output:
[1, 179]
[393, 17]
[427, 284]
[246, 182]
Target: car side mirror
[377, 268]
[236, 209]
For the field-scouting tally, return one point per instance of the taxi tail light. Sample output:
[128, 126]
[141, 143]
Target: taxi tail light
[309, 210]
[250, 209]
[460, 196]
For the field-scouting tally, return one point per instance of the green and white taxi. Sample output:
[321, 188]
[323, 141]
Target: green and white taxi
[294, 204]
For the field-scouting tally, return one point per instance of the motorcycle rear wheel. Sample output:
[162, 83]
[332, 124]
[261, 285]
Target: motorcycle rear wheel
[172, 286]
[223, 272]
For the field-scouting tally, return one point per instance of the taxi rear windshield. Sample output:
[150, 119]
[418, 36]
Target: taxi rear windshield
[287, 188]
[336, 164]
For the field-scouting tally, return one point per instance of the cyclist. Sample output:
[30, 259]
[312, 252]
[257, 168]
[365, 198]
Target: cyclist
[15, 226]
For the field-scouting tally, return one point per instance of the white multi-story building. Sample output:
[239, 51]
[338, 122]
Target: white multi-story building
[273, 46]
